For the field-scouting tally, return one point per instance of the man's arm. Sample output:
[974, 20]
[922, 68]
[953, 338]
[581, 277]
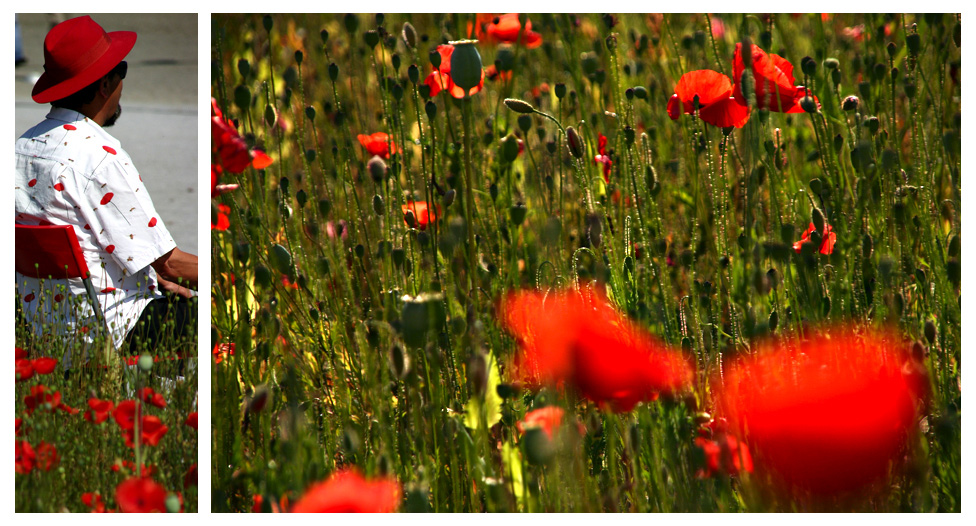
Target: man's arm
[177, 265]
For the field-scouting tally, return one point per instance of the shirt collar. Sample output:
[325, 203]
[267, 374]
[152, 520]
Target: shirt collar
[73, 117]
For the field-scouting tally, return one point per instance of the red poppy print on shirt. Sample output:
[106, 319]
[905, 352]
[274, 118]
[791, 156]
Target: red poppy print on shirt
[70, 127]
[31, 183]
[107, 198]
[152, 222]
[110, 150]
[59, 187]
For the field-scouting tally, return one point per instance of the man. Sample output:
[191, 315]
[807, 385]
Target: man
[70, 171]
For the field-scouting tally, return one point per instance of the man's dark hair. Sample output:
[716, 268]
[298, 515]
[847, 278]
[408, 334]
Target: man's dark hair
[87, 94]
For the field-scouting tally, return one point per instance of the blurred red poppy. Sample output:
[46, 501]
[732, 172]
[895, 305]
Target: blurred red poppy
[93, 501]
[349, 492]
[577, 337]
[45, 365]
[378, 143]
[223, 218]
[828, 415]
[230, 146]
[774, 82]
[151, 397]
[98, 410]
[24, 369]
[125, 414]
[151, 431]
[440, 78]
[723, 454]
[506, 28]
[826, 246]
[47, 456]
[716, 105]
[191, 420]
[40, 397]
[547, 418]
[492, 73]
[221, 351]
[602, 157]
[140, 495]
[190, 479]
[24, 458]
[422, 214]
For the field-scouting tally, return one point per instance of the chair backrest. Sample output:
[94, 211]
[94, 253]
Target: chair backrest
[43, 251]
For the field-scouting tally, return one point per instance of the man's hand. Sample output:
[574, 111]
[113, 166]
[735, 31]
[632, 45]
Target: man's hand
[174, 288]
[177, 266]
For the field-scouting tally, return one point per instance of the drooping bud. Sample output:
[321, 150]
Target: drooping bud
[850, 103]
[377, 168]
[575, 142]
[519, 106]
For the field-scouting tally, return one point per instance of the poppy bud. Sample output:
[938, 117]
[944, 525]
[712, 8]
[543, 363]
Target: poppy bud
[818, 220]
[466, 66]
[145, 363]
[835, 77]
[850, 103]
[773, 321]
[538, 447]
[505, 58]
[594, 229]
[519, 106]
[517, 213]
[282, 259]
[808, 104]
[612, 43]
[415, 321]
[560, 90]
[399, 362]
[270, 115]
[809, 66]
[831, 63]
[371, 37]
[409, 35]
[575, 142]
[478, 373]
[640, 92]
[333, 71]
[378, 204]
[838, 142]
[892, 49]
[930, 331]
[268, 22]
[449, 197]
[377, 168]
[510, 148]
[431, 109]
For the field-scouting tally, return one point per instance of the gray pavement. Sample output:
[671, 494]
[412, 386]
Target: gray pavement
[159, 122]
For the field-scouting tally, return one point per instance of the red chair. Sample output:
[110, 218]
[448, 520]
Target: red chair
[52, 252]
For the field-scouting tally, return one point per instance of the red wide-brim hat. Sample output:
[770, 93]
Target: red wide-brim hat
[78, 52]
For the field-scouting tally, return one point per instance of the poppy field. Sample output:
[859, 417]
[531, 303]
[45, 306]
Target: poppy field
[586, 263]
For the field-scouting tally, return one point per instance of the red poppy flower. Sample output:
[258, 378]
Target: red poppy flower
[94, 502]
[191, 420]
[422, 214]
[98, 410]
[549, 419]
[45, 365]
[125, 414]
[151, 431]
[190, 479]
[506, 28]
[19, 354]
[223, 219]
[492, 73]
[440, 78]
[221, 351]
[19, 431]
[47, 456]
[774, 82]
[378, 143]
[151, 397]
[577, 337]
[603, 158]
[826, 246]
[724, 454]
[39, 397]
[24, 457]
[827, 415]
[349, 492]
[230, 146]
[716, 105]
[107, 198]
[140, 495]
[24, 369]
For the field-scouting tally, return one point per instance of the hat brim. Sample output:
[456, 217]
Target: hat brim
[49, 89]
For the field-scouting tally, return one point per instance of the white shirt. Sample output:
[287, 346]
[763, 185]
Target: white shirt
[70, 171]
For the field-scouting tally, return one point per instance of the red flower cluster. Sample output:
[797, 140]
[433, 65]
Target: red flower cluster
[506, 29]
[349, 492]
[826, 246]
[26, 368]
[147, 395]
[40, 397]
[549, 419]
[234, 154]
[99, 410]
[724, 453]
[829, 416]
[151, 428]
[141, 495]
[716, 105]
[221, 351]
[423, 215]
[378, 143]
[577, 337]
[94, 502]
[440, 78]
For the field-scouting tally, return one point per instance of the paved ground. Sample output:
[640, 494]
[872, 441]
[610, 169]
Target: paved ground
[159, 120]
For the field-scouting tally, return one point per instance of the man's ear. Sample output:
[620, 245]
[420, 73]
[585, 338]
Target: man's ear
[105, 86]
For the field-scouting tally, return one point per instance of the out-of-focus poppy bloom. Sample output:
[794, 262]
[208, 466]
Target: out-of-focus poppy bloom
[492, 73]
[40, 397]
[223, 218]
[716, 104]
[349, 492]
[98, 410]
[577, 337]
[826, 246]
[190, 479]
[222, 350]
[549, 419]
[20, 354]
[287, 283]
[151, 431]
[24, 369]
[47, 456]
[774, 82]
[423, 215]
[125, 414]
[151, 397]
[602, 158]
[19, 422]
[828, 415]
[378, 143]
[140, 495]
[94, 502]
[506, 28]
[230, 146]
[191, 420]
[45, 365]
[25, 457]
[440, 78]
[723, 454]
[128, 466]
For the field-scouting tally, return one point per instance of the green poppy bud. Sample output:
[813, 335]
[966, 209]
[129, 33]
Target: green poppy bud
[575, 142]
[466, 67]
[519, 106]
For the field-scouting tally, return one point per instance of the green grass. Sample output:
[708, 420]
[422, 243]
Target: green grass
[695, 244]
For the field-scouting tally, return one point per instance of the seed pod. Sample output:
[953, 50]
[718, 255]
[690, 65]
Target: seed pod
[466, 67]
[409, 35]
[818, 221]
[517, 213]
[808, 104]
[281, 259]
[537, 446]
[378, 205]
[560, 90]
[413, 73]
[399, 362]
[519, 106]
[449, 197]
[575, 142]
[333, 71]
[930, 331]
[640, 92]
[831, 63]
[371, 37]
[431, 109]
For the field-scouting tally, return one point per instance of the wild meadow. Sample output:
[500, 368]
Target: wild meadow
[79, 407]
[582, 263]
